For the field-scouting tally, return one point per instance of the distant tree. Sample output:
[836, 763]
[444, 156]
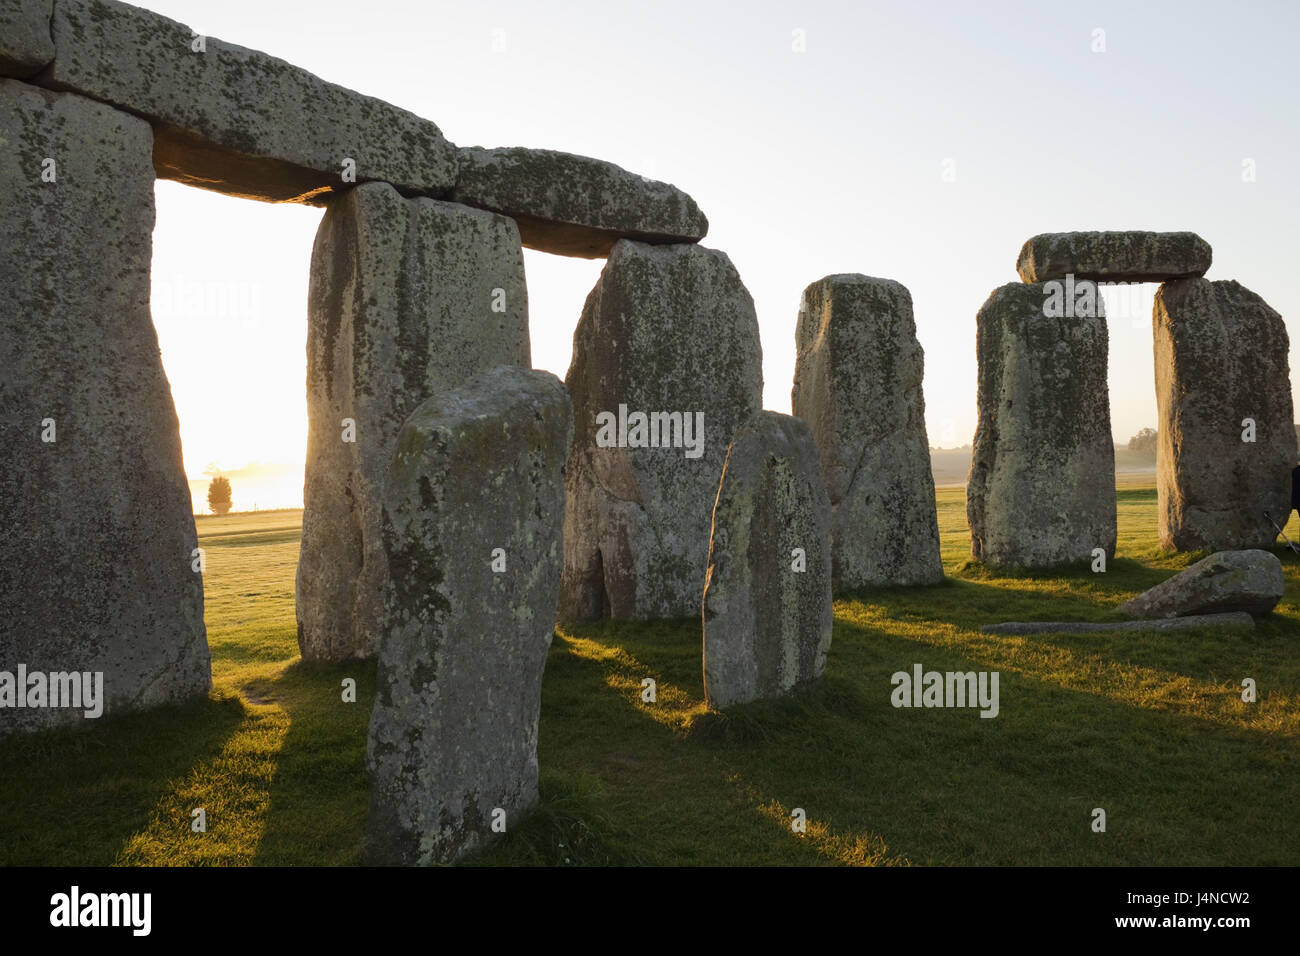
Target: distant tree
[1144, 442]
[219, 495]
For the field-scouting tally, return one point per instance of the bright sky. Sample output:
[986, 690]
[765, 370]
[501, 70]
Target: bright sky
[806, 163]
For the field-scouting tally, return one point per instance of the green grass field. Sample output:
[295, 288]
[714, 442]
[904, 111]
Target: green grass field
[1151, 728]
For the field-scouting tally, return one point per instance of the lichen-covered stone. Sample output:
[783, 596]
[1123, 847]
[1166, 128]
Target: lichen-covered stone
[25, 43]
[666, 329]
[407, 296]
[1042, 478]
[238, 121]
[575, 205]
[1249, 580]
[857, 382]
[473, 515]
[767, 591]
[1114, 256]
[1221, 357]
[98, 550]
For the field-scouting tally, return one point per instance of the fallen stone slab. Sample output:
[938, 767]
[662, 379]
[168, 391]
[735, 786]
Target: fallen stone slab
[857, 383]
[407, 297]
[666, 366]
[767, 591]
[25, 43]
[1114, 256]
[1236, 620]
[1250, 581]
[1226, 439]
[1042, 480]
[238, 121]
[100, 572]
[574, 205]
[473, 515]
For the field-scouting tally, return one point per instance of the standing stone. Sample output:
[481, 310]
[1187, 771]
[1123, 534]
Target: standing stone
[857, 383]
[98, 544]
[238, 121]
[473, 516]
[1114, 256]
[668, 338]
[767, 592]
[407, 296]
[1221, 357]
[25, 43]
[1042, 478]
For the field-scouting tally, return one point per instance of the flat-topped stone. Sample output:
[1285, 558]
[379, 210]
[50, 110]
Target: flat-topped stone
[575, 205]
[857, 383]
[1237, 620]
[1042, 478]
[1226, 439]
[1114, 256]
[25, 44]
[1249, 580]
[238, 121]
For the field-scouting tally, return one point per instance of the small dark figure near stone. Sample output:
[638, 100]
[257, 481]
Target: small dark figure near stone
[1295, 489]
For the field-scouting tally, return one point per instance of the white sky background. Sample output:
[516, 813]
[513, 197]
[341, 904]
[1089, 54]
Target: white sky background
[806, 164]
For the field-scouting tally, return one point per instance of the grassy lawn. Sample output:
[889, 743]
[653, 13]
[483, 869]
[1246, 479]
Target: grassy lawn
[1151, 728]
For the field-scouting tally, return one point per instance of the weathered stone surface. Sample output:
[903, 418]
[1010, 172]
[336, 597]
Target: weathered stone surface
[666, 329]
[407, 296]
[1042, 479]
[238, 121]
[767, 592]
[575, 205]
[857, 382]
[1236, 621]
[95, 559]
[1114, 256]
[1221, 357]
[25, 43]
[453, 736]
[1227, 581]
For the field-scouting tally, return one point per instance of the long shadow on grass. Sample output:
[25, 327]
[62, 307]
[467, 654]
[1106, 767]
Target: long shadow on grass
[882, 784]
[75, 797]
[319, 795]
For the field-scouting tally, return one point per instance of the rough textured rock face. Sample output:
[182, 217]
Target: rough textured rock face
[1114, 256]
[1042, 479]
[25, 43]
[767, 592]
[574, 205]
[666, 329]
[1221, 357]
[236, 120]
[857, 383]
[95, 559]
[453, 736]
[1227, 581]
[407, 296]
